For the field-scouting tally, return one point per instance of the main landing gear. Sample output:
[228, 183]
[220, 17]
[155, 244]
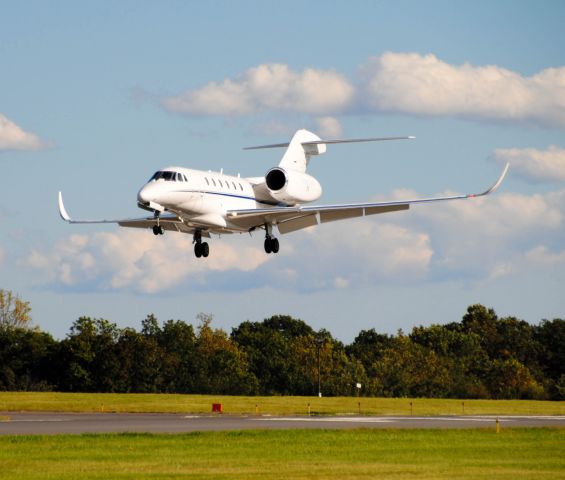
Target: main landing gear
[201, 249]
[271, 243]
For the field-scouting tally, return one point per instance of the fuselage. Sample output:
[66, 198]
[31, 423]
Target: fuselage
[202, 195]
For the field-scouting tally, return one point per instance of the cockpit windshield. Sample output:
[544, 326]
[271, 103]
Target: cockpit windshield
[169, 176]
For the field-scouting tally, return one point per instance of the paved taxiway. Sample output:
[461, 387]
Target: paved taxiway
[35, 423]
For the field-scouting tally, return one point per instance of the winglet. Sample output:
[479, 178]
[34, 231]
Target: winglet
[62, 210]
[496, 185]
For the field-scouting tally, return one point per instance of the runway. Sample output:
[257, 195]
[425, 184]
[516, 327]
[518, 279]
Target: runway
[36, 423]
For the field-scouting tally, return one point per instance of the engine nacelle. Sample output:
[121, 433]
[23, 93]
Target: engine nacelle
[291, 187]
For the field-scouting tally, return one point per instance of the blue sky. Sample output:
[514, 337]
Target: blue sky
[95, 97]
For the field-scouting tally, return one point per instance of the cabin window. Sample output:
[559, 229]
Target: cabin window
[240, 187]
[221, 184]
[213, 181]
[228, 184]
[234, 187]
[207, 182]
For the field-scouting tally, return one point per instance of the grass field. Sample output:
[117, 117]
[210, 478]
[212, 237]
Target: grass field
[345, 454]
[97, 402]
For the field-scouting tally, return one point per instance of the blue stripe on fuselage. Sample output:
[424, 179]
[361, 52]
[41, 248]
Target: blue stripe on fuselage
[228, 195]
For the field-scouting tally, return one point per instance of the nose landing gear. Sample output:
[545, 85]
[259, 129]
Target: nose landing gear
[158, 230]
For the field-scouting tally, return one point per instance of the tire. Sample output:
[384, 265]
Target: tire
[205, 249]
[155, 230]
[198, 250]
[275, 245]
[268, 245]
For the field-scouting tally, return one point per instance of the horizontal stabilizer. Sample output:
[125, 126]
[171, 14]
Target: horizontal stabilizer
[323, 142]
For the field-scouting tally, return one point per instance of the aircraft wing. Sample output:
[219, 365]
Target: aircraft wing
[167, 221]
[290, 219]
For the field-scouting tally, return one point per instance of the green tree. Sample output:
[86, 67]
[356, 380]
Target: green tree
[222, 365]
[179, 363]
[482, 321]
[26, 360]
[88, 356]
[278, 348]
[509, 379]
[462, 352]
[550, 336]
[368, 348]
[14, 312]
[409, 369]
[140, 359]
[339, 372]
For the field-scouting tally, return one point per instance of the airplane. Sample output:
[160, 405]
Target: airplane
[202, 203]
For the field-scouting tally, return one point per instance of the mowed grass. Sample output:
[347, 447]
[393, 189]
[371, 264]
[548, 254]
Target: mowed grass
[278, 405]
[276, 454]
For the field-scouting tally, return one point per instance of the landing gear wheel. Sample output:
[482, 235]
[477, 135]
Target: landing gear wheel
[275, 245]
[157, 230]
[271, 245]
[201, 249]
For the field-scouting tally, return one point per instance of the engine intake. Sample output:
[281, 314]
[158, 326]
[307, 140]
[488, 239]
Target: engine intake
[276, 179]
[292, 187]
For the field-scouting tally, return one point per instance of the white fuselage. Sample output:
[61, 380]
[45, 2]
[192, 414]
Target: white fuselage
[203, 196]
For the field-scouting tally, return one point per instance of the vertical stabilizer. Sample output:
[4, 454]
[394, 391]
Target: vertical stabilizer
[298, 155]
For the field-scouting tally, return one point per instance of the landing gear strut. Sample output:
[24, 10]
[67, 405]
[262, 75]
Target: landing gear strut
[201, 249]
[157, 229]
[271, 243]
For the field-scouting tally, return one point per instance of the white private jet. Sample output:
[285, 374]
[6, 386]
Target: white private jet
[202, 203]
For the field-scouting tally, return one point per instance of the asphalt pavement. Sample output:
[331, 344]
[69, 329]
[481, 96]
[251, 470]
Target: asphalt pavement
[39, 423]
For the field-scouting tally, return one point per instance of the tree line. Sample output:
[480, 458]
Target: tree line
[480, 356]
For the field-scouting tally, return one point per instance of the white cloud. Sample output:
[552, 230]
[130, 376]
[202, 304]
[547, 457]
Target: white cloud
[267, 87]
[13, 137]
[329, 127]
[407, 83]
[543, 256]
[535, 165]
[341, 282]
[483, 238]
[425, 85]
[478, 240]
[136, 260]
[370, 253]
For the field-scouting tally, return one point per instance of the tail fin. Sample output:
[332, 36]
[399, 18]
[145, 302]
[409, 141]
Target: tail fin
[299, 151]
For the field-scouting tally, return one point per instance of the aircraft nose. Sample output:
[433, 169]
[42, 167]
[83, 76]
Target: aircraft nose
[143, 195]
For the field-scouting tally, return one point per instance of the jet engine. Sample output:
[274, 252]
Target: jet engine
[291, 187]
